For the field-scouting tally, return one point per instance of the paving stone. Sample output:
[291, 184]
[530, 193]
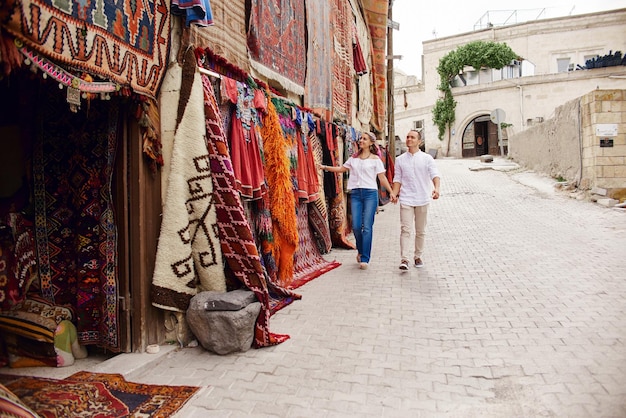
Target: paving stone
[524, 321]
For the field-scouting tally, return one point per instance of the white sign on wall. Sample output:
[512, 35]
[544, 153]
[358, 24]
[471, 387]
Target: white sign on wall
[606, 129]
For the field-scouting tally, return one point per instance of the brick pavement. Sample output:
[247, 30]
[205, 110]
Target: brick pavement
[520, 311]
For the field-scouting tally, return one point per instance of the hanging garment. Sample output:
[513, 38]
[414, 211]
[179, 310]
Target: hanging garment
[306, 172]
[244, 139]
[360, 67]
[197, 12]
[236, 240]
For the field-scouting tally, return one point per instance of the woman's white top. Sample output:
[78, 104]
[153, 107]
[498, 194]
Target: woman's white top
[363, 173]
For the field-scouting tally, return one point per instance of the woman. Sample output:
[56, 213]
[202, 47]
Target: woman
[364, 166]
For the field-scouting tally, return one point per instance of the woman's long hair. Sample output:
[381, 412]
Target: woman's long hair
[373, 147]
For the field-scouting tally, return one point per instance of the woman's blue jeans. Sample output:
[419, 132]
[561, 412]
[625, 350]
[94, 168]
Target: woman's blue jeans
[363, 206]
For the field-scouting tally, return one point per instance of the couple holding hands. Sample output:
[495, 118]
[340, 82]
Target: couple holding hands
[415, 182]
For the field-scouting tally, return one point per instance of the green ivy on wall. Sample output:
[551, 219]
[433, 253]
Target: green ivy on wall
[477, 54]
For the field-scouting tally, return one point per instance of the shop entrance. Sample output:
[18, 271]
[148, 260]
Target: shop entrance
[480, 137]
[61, 186]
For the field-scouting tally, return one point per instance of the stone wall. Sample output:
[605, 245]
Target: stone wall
[552, 147]
[605, 167]
[568, 145]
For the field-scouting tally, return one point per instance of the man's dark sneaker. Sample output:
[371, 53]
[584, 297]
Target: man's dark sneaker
[419, 263]
[404, 265]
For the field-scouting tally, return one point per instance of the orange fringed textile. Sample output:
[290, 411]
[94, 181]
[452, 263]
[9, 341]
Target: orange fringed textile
[150, 124]
[282, 198]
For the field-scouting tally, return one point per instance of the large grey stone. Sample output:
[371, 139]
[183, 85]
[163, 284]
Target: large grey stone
[225, 301]
[222, 332]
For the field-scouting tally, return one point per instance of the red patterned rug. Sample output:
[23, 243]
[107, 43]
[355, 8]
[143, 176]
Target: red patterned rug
[86, 394]
[308, 261]
[125, 41]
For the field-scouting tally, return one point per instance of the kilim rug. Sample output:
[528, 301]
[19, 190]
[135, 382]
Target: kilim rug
[227, 36]
[338, 213]
[102, 395]
[376, 18]
[318, 212]
[308, 262]
[342, 66]
[277, 41]
[189, 257]
[125, 41]
[75, 229]
[318, 89]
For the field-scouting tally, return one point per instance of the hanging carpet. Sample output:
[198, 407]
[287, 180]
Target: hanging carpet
[338, 213]
[227, 36]
[277, 42]
[376, 17]
[96, 395]
[318, 89]
[342, 66]
[75, 230]
[188, 258]
[318, 212]
[236, 239]
[308, 262]
[124, 41]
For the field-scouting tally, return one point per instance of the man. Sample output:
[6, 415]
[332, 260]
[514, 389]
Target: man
[415, 182]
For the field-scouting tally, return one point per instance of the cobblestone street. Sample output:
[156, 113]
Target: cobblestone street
[519, 311]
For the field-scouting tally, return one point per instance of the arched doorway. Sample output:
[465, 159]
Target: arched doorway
[480, 137]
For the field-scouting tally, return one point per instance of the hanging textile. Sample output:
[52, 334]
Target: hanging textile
[197, 12]
[318, 213]
[236, 240]
[376, 17]
[125, 41]
[342, 66]
[383, 195]
[264, 236]
[277, 42]
[188, 258]
[338, 213]
[360, 67]
[308, 262]
[245, 151]
[308, 186]
[17, 259]
[76, 234]
[226, 37]
[282, 198]
[318, 89]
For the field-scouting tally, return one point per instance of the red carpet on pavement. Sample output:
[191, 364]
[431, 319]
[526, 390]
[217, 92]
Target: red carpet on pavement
[101, 395]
